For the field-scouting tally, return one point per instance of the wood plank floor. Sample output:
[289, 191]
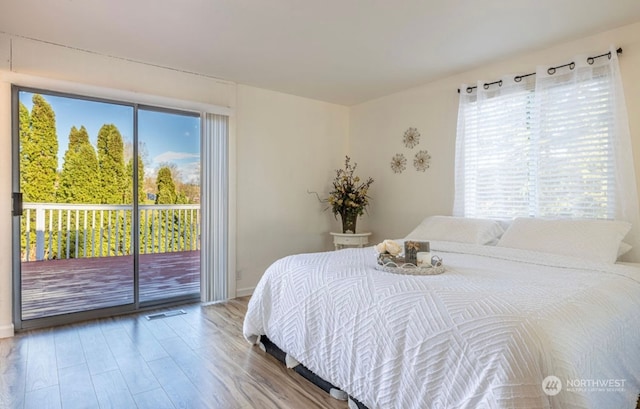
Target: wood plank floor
[196, 360]
[54, 287]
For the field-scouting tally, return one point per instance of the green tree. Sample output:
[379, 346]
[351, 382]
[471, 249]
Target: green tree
[111, 165]
[191, 192]
[39, 152]
[166, 187]
[79, 181]
[25, 138]
[142, 196]
[186, 193]
[128, 158]
[175, 230]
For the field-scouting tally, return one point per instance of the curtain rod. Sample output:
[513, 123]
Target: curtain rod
[550, 71]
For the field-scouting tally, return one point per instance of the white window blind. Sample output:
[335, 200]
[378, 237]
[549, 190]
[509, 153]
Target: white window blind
[494, 157]
[574, 130]
[555, 144]
[540, 147]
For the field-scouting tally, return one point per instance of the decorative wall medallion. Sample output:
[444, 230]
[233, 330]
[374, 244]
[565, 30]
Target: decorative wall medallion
[421, 161]
[398, 163]
[411, 137]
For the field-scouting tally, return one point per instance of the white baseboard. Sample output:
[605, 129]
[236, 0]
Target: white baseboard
[242, 292]
[6, 331]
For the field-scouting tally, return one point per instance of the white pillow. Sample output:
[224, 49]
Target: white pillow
[594, 240]
[624, 249]
[459, 229]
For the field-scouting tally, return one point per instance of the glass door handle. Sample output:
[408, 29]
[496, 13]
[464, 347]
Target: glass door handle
[17, 203]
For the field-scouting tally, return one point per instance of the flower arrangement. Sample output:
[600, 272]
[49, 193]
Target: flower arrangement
[389, 247]
[349, 196]
[389, 252]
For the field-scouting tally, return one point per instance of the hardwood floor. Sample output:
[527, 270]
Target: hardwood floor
[195, 360]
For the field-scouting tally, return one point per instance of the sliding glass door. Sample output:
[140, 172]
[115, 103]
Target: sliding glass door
[169, 204]
[75, 231]
[108, 205]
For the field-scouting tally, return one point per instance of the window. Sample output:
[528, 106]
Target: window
[547, 145]
[496, 151]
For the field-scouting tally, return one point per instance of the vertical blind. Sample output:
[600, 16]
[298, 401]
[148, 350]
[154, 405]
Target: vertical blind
[215, 207]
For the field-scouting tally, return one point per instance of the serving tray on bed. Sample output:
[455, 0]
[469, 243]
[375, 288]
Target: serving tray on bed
[397, 265]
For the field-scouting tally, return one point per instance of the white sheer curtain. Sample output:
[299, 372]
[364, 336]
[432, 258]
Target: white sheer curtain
[215, 210]
[493, 150]
[553, 144]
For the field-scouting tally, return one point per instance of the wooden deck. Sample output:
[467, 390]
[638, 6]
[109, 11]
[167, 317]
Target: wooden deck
[54, 287]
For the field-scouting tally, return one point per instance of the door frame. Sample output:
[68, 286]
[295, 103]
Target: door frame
[136, 306]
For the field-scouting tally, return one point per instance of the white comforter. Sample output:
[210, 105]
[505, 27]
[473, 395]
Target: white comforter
[482, 335]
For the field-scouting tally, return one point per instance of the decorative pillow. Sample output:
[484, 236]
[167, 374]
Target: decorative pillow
[459, 229]
[595, 240]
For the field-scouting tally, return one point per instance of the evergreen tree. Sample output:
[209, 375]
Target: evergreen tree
[25, 140]
[39, 153]
[166, 188]
[111, 165]
[191, 191]
[79, 182]
[183, 192]
[142, 196]
[128, 158]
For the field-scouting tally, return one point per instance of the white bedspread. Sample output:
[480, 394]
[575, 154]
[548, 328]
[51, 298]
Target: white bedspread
[482, 335]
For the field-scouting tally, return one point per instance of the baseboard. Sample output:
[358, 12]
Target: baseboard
[6, 331]
[243, 292]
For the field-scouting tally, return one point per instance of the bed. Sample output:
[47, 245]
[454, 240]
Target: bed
[506, 326]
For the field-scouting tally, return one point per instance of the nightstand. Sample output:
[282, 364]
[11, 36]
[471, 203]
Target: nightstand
[342, 240]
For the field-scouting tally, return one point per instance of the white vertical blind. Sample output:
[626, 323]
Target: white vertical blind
[549, 145]
[215, 210]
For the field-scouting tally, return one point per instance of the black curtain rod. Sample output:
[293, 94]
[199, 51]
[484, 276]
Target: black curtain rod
[550, 71]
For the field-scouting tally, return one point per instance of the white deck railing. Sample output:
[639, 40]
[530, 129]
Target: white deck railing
[61, 231]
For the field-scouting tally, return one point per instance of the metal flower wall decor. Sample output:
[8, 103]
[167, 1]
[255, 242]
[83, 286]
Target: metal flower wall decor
[411, 138]
[398, 163]
[421, 160]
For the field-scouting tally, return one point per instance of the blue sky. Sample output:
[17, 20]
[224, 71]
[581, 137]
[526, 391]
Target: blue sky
[166, 137]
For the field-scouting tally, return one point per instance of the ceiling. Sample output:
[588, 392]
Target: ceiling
[340, 51]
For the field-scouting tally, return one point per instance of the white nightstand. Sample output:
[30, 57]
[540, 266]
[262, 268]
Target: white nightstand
[342, 240]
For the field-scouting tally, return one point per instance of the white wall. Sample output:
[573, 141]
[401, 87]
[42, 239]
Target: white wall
[401, 201]
[6, 286]
[6, 289]
[286, 146]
